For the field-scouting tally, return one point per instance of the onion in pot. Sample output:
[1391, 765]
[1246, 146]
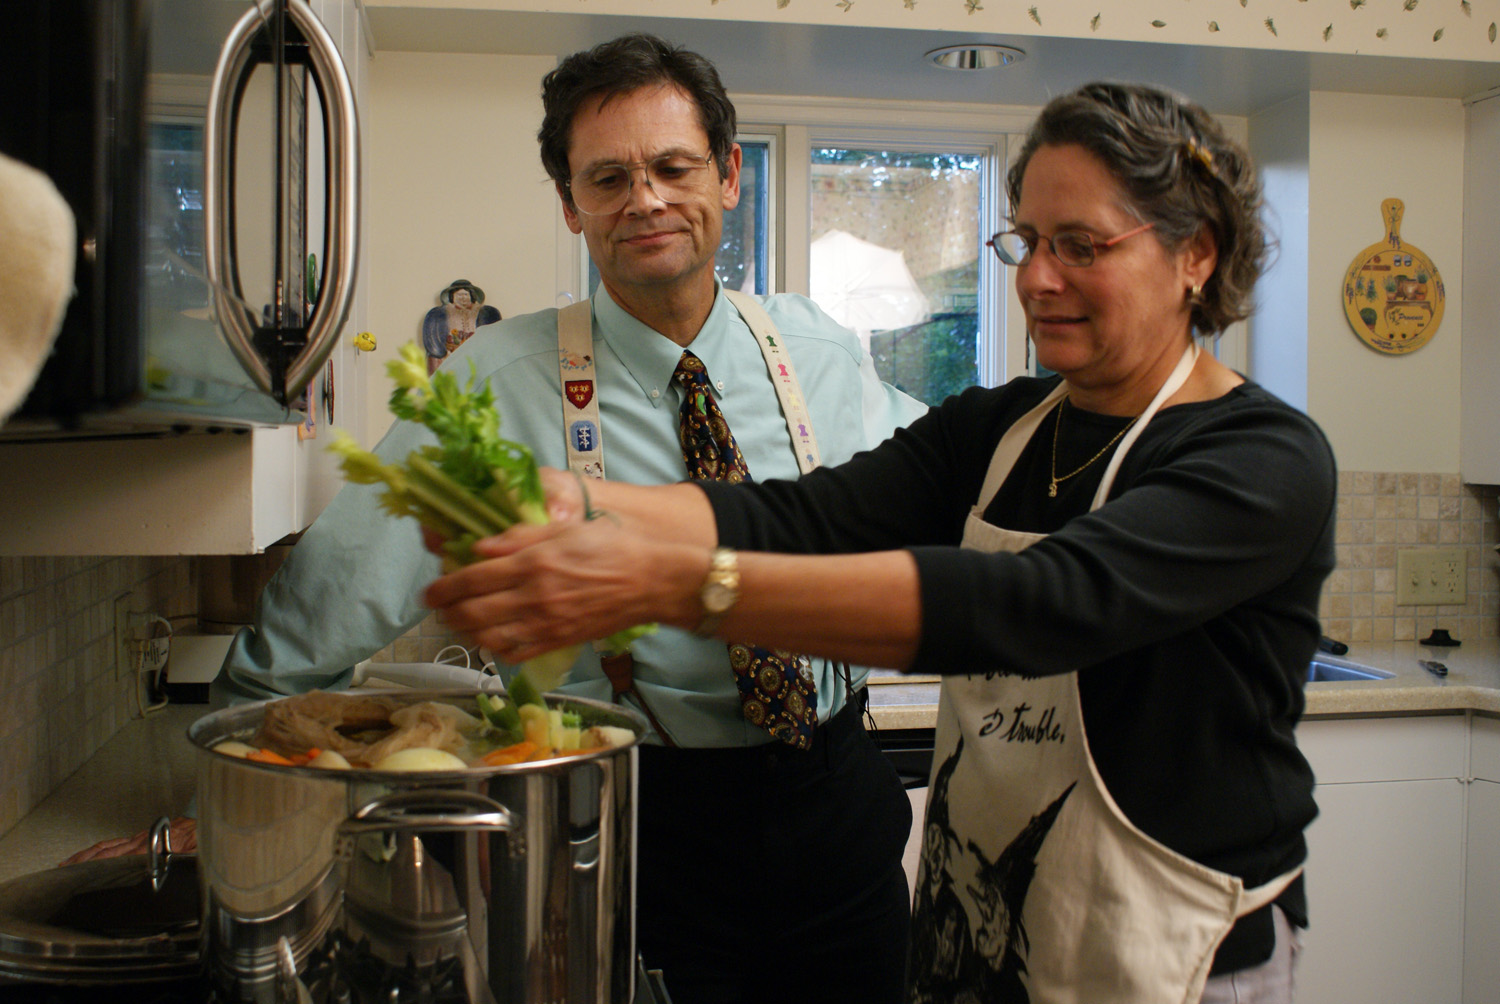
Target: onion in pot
[329, 760]
[421, 758]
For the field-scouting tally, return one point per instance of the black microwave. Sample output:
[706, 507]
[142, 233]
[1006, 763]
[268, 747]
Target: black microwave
[209, 152]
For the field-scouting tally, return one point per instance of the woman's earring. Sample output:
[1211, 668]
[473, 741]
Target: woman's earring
[1194, 292]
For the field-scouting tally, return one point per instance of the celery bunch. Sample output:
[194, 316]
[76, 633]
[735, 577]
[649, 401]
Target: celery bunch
[473, 485]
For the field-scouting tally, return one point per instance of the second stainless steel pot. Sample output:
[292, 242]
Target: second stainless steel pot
[510, 884]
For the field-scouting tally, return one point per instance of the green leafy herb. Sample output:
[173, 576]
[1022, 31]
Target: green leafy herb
[473, 485]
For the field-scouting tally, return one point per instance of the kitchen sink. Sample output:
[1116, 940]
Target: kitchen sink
[1324, 669]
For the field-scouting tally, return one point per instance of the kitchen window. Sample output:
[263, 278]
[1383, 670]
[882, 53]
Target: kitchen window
[884, 210]
[895, 256]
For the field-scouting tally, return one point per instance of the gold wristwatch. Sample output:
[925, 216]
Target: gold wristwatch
[720, 590]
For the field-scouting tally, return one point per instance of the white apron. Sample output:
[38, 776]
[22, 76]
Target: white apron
[1034, 887]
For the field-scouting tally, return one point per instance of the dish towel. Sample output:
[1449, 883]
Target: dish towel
[37, 237]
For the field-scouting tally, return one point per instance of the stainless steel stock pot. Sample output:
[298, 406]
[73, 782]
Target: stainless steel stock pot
[511, 884]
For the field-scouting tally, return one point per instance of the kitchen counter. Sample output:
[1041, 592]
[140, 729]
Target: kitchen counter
[145, 771]
[1472, 684]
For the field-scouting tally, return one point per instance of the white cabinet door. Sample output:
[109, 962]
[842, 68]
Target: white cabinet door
[1482, 879]
[1482, 899]
[1385, 870]
[1385, 891]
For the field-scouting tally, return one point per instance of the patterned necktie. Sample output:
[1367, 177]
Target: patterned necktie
[776, 688]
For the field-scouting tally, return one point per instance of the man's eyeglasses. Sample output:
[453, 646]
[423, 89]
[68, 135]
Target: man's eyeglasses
[1071, 247]
[674, 177]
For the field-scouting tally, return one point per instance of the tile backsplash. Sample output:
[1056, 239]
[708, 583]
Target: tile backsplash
[1381, 513]
[61, 699]
[425, 643]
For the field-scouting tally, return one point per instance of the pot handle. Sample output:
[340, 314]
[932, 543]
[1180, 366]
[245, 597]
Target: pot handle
[432, 809]
[158, 852]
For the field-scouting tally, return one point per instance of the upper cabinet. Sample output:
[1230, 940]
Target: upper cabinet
[1479, 380]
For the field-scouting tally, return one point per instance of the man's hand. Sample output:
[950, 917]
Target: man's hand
[182, 839]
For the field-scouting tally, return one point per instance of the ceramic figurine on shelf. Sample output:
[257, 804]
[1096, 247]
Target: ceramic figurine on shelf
[461, 309]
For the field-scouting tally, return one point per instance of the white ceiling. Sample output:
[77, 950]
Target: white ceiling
[824, 61]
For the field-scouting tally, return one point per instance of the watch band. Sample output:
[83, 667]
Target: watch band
[720, 590]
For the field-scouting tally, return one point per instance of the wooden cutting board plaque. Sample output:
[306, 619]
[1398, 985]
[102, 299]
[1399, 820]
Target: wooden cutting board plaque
[1393, 295]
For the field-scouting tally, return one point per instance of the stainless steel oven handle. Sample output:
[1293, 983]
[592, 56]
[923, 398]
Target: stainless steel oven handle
[342, 238]
[219, 260]
[336, 294]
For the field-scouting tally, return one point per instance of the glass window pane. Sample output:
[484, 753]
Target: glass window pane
[743, 261]
[894, 255]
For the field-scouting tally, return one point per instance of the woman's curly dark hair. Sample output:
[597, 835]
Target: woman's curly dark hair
[1177, 170]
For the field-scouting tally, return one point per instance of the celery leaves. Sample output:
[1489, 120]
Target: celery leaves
[473, 485]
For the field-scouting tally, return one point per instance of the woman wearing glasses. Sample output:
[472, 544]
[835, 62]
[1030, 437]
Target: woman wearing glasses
[1116, 570]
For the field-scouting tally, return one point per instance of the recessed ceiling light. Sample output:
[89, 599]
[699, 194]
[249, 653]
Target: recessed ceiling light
[975, 56]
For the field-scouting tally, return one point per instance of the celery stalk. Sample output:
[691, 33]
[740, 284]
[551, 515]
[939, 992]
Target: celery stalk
[473, 485]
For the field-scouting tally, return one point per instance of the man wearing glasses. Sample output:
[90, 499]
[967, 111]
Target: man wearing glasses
[771, 829]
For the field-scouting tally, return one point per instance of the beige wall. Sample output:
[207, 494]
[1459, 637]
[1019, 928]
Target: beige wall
[456, 191]
[1384, 413]
[1381, 413]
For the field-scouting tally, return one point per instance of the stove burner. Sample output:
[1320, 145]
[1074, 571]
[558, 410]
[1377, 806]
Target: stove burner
[341, 971]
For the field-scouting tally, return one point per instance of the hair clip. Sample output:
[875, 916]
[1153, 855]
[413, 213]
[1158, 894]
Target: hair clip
[1200, 153]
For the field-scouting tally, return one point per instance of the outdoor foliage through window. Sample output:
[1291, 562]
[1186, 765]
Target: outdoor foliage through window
[895, 257]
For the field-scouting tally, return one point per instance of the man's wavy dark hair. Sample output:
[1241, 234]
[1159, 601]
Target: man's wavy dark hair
[621, 66]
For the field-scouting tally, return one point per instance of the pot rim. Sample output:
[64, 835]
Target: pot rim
[210, 729]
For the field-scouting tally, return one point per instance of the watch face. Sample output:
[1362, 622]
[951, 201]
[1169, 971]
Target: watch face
[717, 597]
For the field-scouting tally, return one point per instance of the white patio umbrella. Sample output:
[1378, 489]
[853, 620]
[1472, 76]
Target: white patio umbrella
[863, 285]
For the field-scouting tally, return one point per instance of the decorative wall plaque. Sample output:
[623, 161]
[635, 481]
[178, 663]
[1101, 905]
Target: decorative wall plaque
[1393, 295]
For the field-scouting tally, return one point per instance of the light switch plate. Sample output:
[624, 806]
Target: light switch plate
[1431, 576]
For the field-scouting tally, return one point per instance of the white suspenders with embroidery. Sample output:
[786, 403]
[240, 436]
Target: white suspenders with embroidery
[575, 366]
[575, 362]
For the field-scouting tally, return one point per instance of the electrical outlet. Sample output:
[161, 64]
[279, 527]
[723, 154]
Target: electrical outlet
[1431, 576]
[154, 652]
[125, 650]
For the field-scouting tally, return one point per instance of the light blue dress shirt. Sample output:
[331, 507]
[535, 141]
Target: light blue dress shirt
[353, 582]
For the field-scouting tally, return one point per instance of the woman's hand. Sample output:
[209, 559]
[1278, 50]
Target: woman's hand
[567, 495]
[538, 588]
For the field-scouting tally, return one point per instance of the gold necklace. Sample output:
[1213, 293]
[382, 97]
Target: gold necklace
[1052, 488]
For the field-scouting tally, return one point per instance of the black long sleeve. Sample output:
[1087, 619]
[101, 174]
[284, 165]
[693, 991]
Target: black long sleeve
[1188, 602]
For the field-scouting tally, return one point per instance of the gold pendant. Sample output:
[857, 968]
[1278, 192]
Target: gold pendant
[1052, 490]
